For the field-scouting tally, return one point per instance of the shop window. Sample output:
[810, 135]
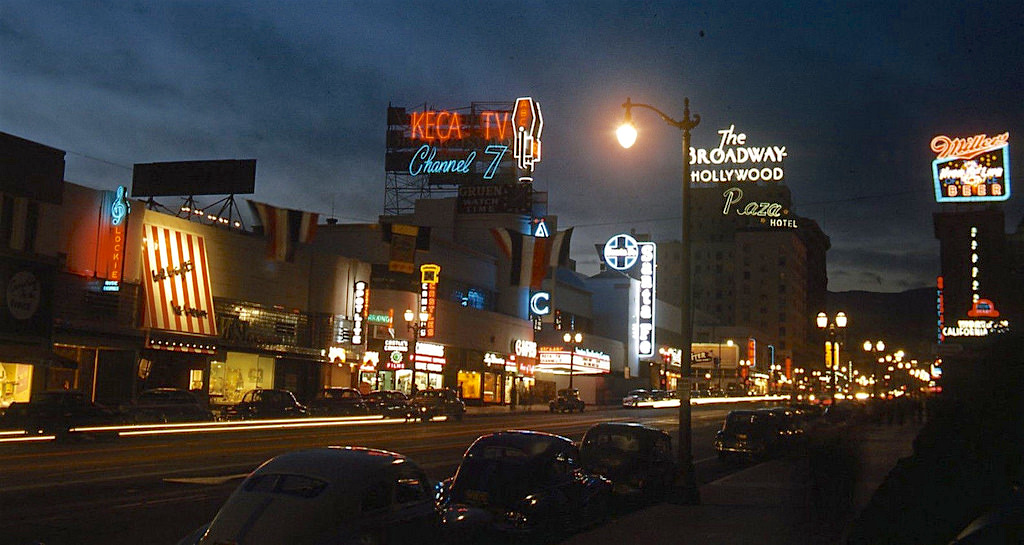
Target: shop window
[469, 384]
[239, 373]
[15, 383]
[490, 393]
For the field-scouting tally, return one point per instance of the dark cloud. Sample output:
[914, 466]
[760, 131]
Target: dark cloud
[854, 91]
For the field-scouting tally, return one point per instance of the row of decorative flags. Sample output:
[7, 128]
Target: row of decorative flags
[531, 257]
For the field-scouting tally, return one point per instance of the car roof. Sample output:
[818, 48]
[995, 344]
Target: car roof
[532, 442]
[334, 463]
[622, 426]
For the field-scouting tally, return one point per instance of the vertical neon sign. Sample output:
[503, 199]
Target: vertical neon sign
[360, 302]
[645, 316]
[429, 276]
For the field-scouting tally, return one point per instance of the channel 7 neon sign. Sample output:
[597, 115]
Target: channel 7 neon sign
[459, 146]
[973, 169]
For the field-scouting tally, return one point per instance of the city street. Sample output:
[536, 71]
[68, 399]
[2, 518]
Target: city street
[155, 489]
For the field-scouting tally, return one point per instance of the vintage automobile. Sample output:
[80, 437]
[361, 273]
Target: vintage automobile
[637, 459]
[567, 400]
[520, 484]
[427, 404]
[327, 496]
[389, 403]
[749, 433]
[160, 405]
[262, 404]
[57, 412]
[338, 402]
[635, 398]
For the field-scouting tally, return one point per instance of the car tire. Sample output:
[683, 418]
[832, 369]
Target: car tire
[551, 408]
[582, 408]
[723, 455]
[458, 416]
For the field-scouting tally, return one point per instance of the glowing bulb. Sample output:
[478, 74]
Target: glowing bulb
[626, 134]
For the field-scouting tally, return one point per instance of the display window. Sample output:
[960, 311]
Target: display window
[469, 384]
[15, 383]
[239, 373]
[492, 387]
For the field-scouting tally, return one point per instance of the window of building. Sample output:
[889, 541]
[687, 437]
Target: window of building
[31, 226]
[6, 221]
[746, 275]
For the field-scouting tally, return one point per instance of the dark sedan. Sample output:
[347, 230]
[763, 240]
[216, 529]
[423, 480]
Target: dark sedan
[567, 400]
[389, 403]
[57, 412]
[637, 459]
[427, 404]
[521, 484]
[262, 404]
[327, 496]
[338, 402]
[754, 434]
[166, 405]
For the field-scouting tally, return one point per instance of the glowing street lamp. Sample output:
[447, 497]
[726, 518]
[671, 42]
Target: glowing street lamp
[575, 339]
[627, 135]
[832, 328]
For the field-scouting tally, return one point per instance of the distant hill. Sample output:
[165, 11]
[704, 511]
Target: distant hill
[903, 320]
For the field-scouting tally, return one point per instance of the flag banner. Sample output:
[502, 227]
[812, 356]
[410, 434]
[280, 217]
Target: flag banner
[532, 258]
[177, 282]
[284, 229]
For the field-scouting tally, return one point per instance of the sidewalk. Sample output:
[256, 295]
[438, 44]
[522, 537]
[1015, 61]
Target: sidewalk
[772, 502]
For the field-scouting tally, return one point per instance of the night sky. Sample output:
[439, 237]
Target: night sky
[854, 91]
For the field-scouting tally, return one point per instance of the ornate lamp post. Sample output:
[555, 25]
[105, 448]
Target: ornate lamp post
[574, 338]
[873, 349]
[414, 326]
[627, 134]
[832, 328]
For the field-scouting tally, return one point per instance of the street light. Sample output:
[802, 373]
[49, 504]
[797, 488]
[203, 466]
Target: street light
[415, 328]
[627, 135]
[832, 328]
[575, 339]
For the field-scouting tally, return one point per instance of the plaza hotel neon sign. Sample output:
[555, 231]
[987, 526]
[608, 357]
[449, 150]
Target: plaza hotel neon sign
[972, 169]
[444, 130]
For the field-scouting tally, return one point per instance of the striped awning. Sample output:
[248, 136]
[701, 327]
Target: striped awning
[177, 281]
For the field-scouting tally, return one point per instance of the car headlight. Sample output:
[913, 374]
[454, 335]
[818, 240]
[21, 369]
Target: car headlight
[423, 409]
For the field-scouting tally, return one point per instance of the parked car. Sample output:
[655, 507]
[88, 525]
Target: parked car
[635, 397]
[789, 425]
[338, 402]
[327, 496]
[389, 403]
[427, 404]
[637, 459]
[56, 412]
[260, 404]
[159, 405]
[520, 484]
[754, 434]
[567, 400]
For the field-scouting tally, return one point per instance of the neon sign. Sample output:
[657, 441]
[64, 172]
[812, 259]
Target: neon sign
[646, 297]
[621, 252]
[456, 146]
[940, 308]
[120, 208]
[429, 276]
[971, 169]
[750, 163]
[976, 328]
[540, 303]
[768, 212]
[361, 297]
[528, 124]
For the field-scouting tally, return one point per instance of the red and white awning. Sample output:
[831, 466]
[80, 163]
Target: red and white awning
[177, 281]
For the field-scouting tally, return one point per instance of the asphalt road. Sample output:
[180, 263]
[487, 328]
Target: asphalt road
[155, 489]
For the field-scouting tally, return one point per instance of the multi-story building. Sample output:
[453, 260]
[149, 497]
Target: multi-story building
[769, 281]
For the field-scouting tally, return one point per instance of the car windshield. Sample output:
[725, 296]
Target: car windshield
[341, 394]
[622, 441]
[745, 422]
[504, 474]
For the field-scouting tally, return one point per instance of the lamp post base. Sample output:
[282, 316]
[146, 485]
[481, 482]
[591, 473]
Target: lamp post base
[684, 490]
